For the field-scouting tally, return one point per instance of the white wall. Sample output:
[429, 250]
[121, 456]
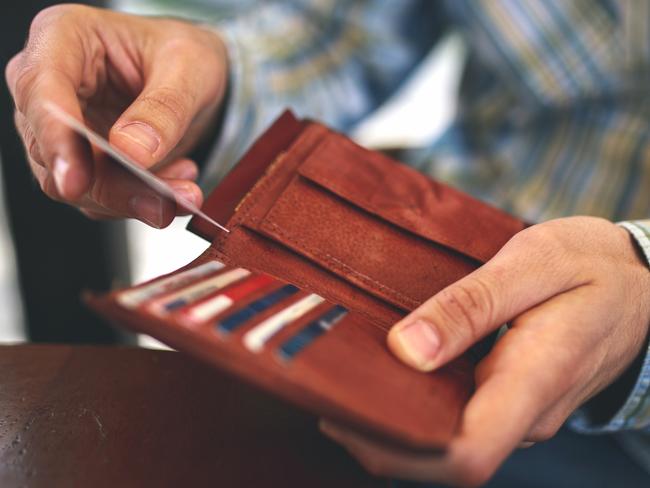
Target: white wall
[11, 320]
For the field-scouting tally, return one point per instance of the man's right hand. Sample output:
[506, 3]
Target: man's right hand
[152, 86]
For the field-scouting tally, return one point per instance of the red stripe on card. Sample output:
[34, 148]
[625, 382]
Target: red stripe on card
[250, 285]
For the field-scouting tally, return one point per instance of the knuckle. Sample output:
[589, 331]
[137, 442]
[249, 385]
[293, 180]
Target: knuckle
[101, 193]
[32, 147]
[467, 305]
[29, 141]
[12, 67]
[536, 237]
[48, 187]
[33, 151]
[547, 242]
[43, 18]
[183, 42]
[23, 85]
[52, 14]
[172, 106]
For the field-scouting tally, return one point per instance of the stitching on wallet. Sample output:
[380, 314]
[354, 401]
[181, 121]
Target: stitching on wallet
[331, 184]
[247, 203]
[251, 198]
[401, 222]
[262, 183]
[341, 266]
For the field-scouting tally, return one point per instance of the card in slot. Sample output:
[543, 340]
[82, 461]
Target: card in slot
[288, 331]
[210, 307]
[312, 331]
[254, 309]
[172, 301]
[255, 339]
[134, 297]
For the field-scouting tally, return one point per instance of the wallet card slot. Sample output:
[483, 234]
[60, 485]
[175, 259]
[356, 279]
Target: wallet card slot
[195, 291]
[212, 306]
[289, 330]
[252, 311]
[257, 337]
[136, 296]
[310, 333]
[384, 260]
[273, 257]
[409, 199]
[345, 374]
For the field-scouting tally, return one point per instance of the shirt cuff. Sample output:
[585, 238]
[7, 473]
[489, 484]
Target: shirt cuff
[635, 412]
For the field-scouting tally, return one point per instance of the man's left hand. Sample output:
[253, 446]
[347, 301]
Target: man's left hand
[577, 294]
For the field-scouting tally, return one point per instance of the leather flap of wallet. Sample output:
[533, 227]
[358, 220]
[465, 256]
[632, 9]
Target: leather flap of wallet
[358, 228]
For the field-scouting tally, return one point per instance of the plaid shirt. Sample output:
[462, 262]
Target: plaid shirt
[553, 115]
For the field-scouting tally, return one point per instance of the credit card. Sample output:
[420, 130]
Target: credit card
[147, 177]
[237, 319]
[134, 297]
[213, 306]
[190, 294]
[255, 338]
[292, 347]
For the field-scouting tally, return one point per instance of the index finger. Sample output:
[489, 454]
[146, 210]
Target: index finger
[33, 80]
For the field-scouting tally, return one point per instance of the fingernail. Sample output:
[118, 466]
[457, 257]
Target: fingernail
[142, 134]
[60, 170]
[149, 209]
[420, 343]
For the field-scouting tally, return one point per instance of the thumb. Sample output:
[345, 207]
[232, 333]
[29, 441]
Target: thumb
[519, 277]
[159, 117]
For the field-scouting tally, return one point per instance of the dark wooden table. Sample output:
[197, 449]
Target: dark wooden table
[104, 416]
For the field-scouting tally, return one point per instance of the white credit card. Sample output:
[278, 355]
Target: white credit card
[146, 176]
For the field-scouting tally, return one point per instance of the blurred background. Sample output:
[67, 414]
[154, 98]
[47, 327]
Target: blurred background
[50, 253]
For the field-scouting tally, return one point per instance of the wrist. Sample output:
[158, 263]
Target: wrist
[604, 406]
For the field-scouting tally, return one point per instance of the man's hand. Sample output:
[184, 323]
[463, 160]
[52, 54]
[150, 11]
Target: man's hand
[153, 86]
[578, 295]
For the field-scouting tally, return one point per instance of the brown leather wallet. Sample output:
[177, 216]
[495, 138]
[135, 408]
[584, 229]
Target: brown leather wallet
[374, 239]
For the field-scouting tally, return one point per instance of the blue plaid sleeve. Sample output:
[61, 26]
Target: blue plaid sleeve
[331, 60]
